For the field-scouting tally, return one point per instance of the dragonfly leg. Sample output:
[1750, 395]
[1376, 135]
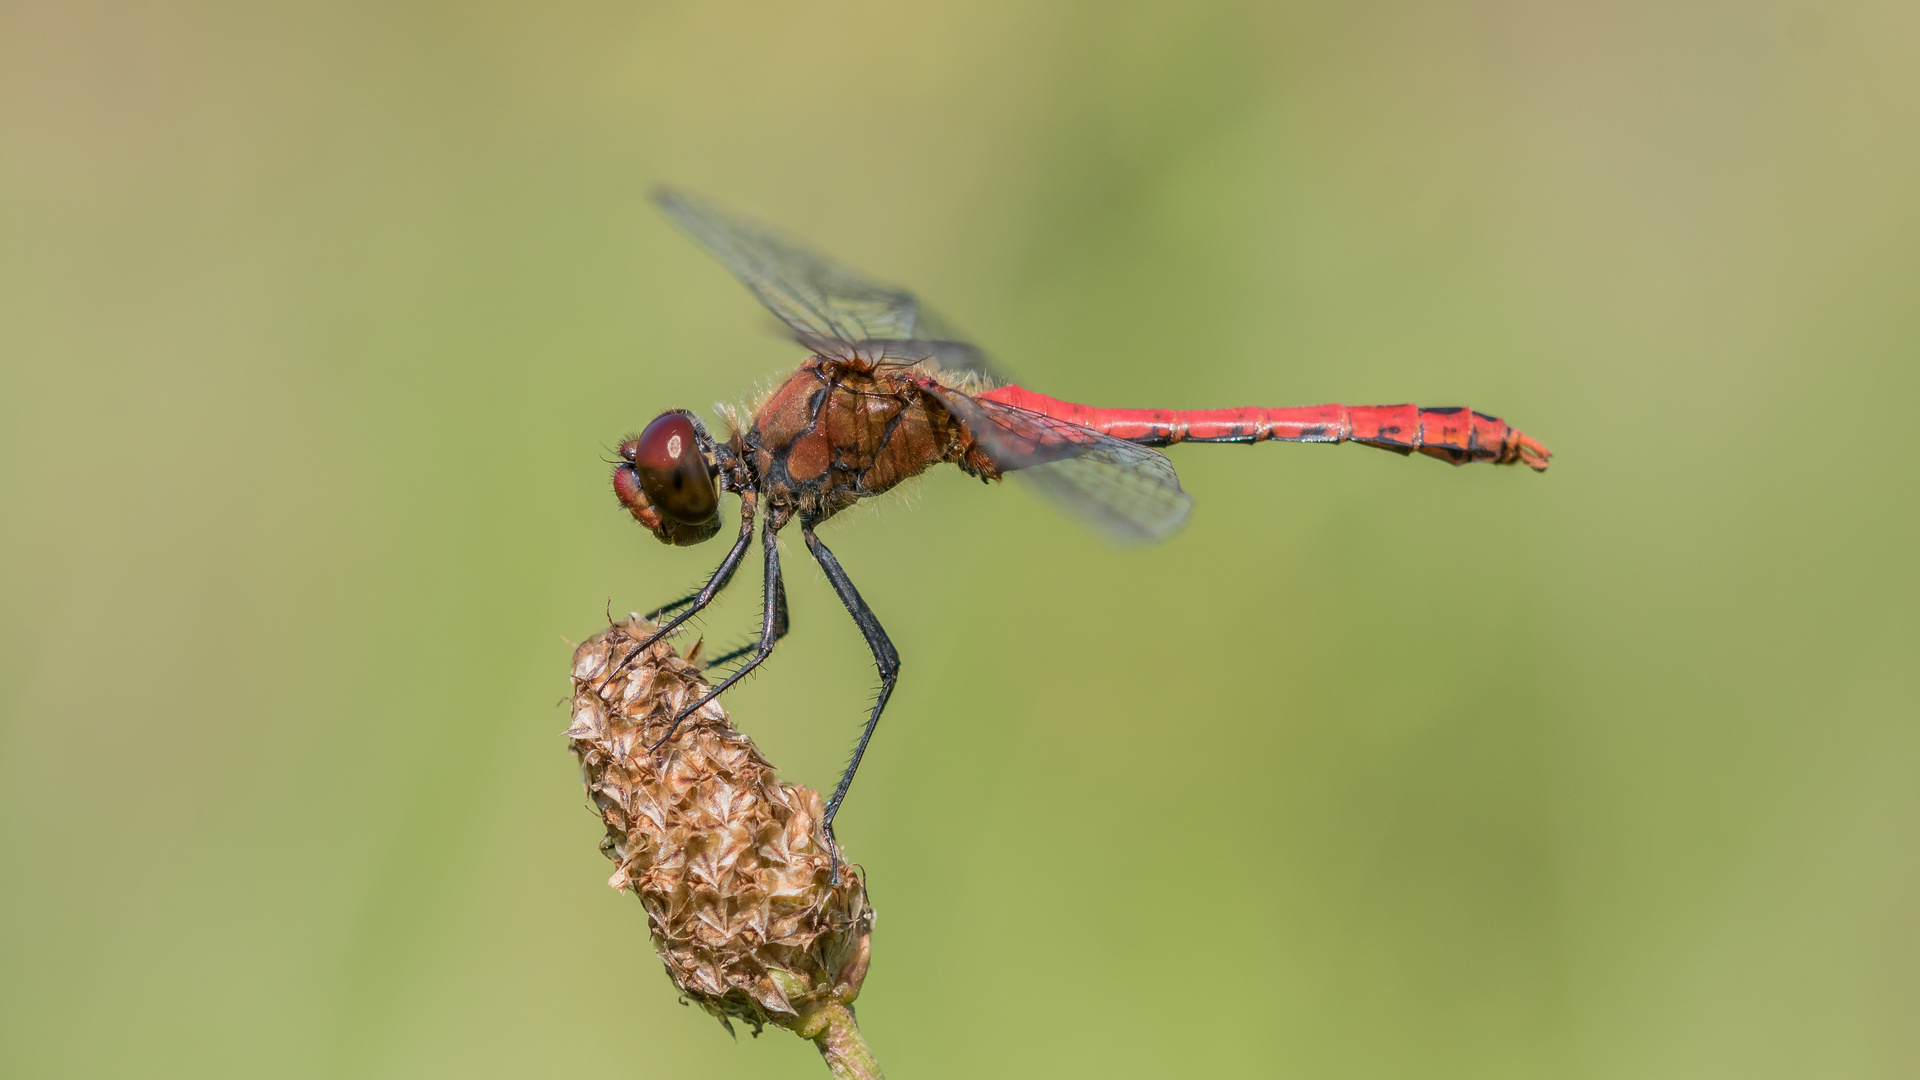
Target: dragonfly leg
[769, 623]
[697, 602]
[779, 631]
[885, 657]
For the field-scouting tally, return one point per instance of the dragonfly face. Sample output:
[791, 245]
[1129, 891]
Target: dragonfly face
[665, 480]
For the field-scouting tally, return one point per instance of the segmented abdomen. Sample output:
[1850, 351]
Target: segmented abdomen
[1456, 435]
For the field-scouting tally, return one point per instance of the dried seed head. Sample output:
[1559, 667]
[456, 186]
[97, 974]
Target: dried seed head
[727, 861]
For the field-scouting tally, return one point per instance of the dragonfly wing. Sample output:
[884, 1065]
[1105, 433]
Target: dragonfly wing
[947, 360]
[832, 309]
[953, 362]
[1126, 491]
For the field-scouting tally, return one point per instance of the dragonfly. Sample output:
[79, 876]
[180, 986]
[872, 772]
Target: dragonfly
[889, 390]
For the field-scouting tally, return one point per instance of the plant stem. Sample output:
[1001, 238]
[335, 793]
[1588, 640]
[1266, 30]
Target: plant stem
[833, 1030]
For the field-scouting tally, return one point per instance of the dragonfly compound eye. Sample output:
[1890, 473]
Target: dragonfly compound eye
[672, 471]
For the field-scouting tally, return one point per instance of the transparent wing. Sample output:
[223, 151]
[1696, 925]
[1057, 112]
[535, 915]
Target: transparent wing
[1127, 491]
[948, 360]
[831, 309]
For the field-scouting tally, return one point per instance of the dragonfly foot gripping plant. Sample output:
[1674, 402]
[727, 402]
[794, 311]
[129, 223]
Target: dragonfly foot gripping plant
[730, 864]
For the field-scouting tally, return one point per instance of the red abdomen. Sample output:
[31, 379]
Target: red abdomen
[1452, 434]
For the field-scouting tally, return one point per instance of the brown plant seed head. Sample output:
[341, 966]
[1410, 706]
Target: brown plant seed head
[727, 861]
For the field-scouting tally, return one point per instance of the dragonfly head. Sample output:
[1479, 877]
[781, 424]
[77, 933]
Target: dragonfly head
[665, 479]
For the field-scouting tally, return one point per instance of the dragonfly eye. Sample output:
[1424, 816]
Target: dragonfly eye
[672, 471]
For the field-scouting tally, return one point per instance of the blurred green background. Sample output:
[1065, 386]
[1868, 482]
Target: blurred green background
[318, 321]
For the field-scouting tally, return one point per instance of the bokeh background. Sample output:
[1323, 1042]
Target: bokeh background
[318, 321]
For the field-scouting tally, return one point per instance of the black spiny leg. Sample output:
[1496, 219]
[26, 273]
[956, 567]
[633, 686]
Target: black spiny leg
[885, 657]
[698, 601]
[770, 621]
[779, 631]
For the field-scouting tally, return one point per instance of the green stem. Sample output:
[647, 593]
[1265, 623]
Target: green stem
[833, 1030]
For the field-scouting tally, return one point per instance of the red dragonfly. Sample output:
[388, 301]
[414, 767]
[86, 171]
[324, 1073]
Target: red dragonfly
[889, 391]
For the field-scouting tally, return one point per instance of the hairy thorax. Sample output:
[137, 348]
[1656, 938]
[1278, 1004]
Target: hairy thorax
[836, 433]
